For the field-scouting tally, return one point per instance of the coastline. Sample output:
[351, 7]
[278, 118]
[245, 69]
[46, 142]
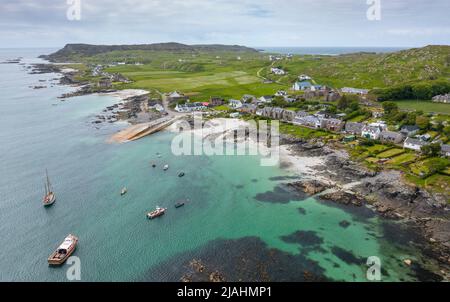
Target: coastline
[351, 184]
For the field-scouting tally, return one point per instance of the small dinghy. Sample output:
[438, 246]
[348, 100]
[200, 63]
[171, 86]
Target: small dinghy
[179, 205]
[166, 167]
[124, 191]
[181, 174]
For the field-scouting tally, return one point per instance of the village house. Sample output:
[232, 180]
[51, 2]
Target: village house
[414, 144]
[288, 115]
[304, 77]
[266, 99]
[289, 99]
[216, 101]
[301, 86]
[391, 137]
[333, 124]
[308, 121]
[247, 98]
[277, 71]
[175, 97]
[445, 150]
[371, 132]
[281, 93]
[377, 114]
[409, 131]
[380, 124]
[445, 98]
[331, 96]
[357, 91]
[235, 104]
[104, 83]
[301, 114]
[190, 107]
[248, 108]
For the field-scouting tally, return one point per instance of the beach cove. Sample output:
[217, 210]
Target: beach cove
[241, 222]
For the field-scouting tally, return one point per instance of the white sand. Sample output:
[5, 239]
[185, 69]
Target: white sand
[127, 93]
[217, 128]
[301, 165]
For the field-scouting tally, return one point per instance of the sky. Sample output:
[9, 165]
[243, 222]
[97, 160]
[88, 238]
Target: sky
[257, 23]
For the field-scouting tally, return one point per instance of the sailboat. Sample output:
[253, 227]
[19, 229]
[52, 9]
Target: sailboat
[50, 196]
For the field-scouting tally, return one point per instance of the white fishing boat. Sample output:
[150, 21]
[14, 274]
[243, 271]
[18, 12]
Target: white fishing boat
[166, 167]
[64, 251]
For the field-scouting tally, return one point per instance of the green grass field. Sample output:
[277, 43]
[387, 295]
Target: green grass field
[391, 153]
[425, 106]
[225, 78]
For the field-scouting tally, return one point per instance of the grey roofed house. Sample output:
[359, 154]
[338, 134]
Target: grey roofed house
[409, 130]
[354, 128]
[301, 114]
[391, 137]
[445, 150]
[414, 144]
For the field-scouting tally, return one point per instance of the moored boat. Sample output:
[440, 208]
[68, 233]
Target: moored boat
[156, 213]
[166, 167]
[179, 204]
[124, 191]
[50, 196]
[181, 174]
[64, 251]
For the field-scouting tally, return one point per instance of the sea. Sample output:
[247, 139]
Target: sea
[328, 51]
[240, 222]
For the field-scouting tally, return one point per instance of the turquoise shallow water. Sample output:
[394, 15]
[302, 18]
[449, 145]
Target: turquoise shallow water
[233, 200]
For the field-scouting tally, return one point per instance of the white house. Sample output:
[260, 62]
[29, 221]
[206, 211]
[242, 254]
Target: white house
[355, 91]
[266, 99]
[304, 77]
[281, 93]
[190, 107]
[236, 104]
[371, 132]
[277, 71]
[299, 86]
[414, 144]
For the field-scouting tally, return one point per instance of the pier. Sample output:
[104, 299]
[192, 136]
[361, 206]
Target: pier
[141, 130]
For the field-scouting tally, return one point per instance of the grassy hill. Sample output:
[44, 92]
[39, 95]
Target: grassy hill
[79, 52]
[370, 70]
[231, 71]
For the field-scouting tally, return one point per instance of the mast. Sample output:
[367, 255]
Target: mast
[48, 185]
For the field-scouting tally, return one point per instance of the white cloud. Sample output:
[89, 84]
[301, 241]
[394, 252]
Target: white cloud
[250, 22]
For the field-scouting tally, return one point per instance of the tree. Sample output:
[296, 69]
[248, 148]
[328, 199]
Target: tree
[423, 122]
[390, 107]
[447, 130]
[432, 149]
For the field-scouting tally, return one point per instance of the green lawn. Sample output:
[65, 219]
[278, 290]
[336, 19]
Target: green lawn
[402, 159]
[301, 132]
[391, 153]
[425, 106]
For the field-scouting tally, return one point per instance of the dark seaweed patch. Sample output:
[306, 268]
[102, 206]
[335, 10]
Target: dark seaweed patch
[347, 256]
[305, 238]
[280, 194]
[247, 259]
[302, 211]
[344, 224]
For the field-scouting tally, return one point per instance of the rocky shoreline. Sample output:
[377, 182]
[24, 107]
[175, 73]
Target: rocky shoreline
[345, 182]
[132, 105]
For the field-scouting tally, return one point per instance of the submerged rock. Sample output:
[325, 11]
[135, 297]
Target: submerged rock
[310, 186]
[344, 197]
